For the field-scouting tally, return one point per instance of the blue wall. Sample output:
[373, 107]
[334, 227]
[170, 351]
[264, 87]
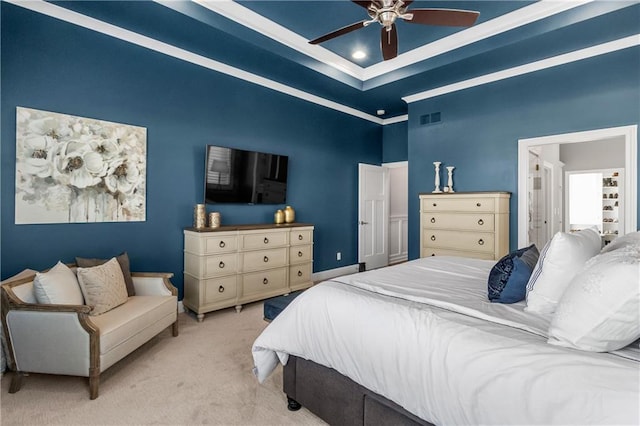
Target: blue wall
[481, 126]
[50, 65]
[394, 142]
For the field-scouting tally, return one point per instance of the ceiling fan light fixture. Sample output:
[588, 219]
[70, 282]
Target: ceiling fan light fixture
[387, 12]
[358, 54]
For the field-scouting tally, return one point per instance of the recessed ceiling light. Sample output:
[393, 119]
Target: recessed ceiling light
[380, 112]
[358, 54]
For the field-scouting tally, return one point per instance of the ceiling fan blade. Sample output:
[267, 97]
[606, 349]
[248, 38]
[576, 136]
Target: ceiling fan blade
[339, 32]
[446, 17]
[389, 42]
[366, 4]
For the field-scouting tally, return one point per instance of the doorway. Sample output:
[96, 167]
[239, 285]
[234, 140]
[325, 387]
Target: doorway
[540, 193]
[628, 134]
[373, 216]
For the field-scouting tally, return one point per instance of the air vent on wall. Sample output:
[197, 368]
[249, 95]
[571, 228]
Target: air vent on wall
[432, 118]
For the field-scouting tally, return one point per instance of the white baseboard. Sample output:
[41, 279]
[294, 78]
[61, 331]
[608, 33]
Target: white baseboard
[332, 273]
[180, 307]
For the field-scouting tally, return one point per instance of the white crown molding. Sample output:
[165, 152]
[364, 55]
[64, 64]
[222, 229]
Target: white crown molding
[93, 24]
[523, 16]
[519, 17]
[554, 61]
[396, 119]
[252, 20]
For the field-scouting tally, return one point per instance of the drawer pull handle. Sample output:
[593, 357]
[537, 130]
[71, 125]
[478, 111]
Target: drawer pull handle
[221, 264]
[433, 238]
[435, 205]
[481, 222]
[265, 281]
[266, 240]
[300, 237]
[221, 289]
[299, 254]
[478, 204]
[299, 273]
[266, 259]
[481, 241]
[222, 244]
[433, 220]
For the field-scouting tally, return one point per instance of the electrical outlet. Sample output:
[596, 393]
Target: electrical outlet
[338, 256]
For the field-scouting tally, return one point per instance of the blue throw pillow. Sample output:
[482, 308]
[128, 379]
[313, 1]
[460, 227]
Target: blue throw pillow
[509, 277]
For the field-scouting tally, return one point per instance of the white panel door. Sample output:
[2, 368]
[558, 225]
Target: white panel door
[373, 216]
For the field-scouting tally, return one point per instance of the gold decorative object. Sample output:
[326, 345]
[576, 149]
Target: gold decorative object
[289, 214]
[278, 217]
[199, 216]
[214, 220]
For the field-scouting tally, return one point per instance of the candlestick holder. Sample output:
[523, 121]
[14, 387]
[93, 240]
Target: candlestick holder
[450, 181]
[437, 178]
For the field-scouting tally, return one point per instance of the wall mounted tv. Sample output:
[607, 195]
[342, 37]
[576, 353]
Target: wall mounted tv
[246, 177]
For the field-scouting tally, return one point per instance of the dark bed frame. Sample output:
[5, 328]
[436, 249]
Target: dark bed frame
[339, 400]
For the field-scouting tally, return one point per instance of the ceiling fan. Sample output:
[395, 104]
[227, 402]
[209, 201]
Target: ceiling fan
[386, 12]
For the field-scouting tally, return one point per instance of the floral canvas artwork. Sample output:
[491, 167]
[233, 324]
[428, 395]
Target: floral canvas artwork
[73, 169]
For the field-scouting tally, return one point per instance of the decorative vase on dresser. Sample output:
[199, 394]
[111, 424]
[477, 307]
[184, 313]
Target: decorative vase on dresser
[233, 265]
[466, 224]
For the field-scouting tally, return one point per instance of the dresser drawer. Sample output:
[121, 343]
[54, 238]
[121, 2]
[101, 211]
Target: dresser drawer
[302, 236]
[211, 243]
[429, 251]
[449, 203]
[219, 289]
[300, 254]
[264, 281]
[263, 240]
[458, 240]
[263, 259]
[211, 266]
[300, 274]
[459, 221]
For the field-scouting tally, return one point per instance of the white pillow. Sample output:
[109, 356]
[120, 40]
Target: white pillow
[600, 310]
[630, 239]
[559, 261]
[59, 285]
[103, 286]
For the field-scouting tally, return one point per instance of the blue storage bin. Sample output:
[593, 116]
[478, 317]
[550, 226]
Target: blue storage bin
[275, 305]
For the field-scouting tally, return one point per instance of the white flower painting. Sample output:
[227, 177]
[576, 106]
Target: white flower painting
[73, 169]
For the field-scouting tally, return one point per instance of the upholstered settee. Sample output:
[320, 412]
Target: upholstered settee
[77, 339]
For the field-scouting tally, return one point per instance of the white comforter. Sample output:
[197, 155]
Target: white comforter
[399, 332]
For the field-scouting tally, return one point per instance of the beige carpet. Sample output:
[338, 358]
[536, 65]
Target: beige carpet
[203, 376]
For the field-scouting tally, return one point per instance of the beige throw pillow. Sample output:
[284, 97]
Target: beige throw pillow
[123, 260]
[103, 286]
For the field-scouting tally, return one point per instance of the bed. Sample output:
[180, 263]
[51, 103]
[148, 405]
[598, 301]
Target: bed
[420, 343]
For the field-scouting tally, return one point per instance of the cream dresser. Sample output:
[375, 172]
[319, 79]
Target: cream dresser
[234, 265]
[466, 224]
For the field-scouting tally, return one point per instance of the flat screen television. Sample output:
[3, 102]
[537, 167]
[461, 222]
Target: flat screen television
[245, 177]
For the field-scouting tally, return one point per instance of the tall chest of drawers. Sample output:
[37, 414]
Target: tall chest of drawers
[466, 224]
[234, 265]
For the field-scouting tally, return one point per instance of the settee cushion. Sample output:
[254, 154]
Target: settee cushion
[140, 312]
[103, 286]
[59, 285]
[123, 261]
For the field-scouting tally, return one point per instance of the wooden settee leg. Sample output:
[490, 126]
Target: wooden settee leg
[174, 328]
[16, 382]
[293, 405]
[94, 382]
